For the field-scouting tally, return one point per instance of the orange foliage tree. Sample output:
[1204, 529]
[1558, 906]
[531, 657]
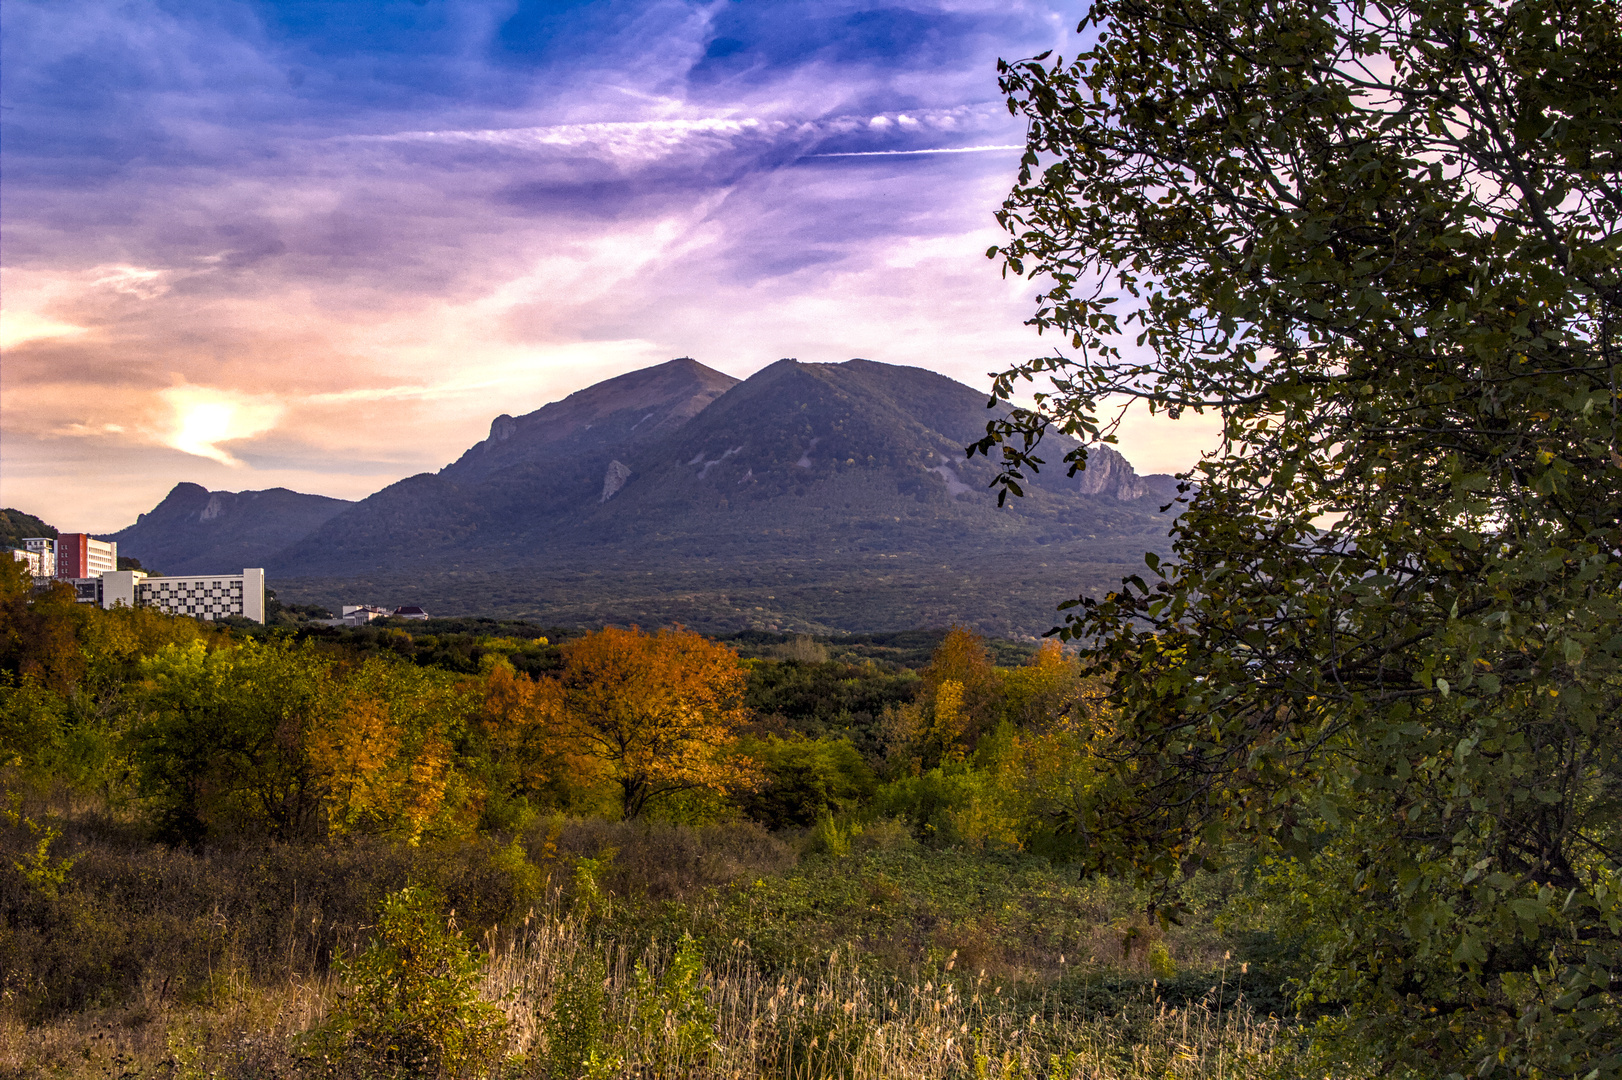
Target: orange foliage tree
[659, 712]
[530, 758]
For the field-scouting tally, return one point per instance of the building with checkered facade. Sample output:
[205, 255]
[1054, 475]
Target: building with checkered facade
[202, 596]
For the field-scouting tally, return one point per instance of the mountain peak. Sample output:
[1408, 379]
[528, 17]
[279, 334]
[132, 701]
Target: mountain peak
[195, 530]
[603, 418]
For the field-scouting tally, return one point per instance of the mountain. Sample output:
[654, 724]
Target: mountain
[605, 417]
[811, 458]
[807, 496]
[197, 531]
[531, 474]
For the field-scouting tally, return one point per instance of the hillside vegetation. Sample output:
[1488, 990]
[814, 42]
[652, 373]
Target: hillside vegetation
[237, 852]
[16, 526]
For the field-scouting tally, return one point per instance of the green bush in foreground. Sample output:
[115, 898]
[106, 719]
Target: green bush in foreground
[413, 1006]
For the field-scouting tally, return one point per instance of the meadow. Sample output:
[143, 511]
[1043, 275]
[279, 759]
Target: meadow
[227, 852]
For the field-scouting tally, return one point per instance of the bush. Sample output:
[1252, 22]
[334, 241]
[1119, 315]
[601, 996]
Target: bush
[805, 780]
[952, 806]
[129, 913]
[413, 1006]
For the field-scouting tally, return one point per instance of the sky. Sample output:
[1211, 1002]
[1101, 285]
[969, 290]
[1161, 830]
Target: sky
[322, 245]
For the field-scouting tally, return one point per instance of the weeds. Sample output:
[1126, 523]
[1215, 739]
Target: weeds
[411, 1006]
[891, 962]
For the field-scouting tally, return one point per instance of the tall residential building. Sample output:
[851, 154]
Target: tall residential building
[79, 555]
[45, 548]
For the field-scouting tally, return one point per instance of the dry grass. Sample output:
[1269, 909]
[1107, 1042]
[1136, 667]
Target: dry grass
[838, 1020]
[215, 964]
[832, 1020]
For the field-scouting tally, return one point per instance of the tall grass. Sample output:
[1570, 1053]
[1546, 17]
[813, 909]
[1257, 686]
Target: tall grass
[833, 1019]
[159, 963]
[839, 1020]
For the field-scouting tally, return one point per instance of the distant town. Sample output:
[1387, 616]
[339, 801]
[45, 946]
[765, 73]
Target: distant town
[91, 566]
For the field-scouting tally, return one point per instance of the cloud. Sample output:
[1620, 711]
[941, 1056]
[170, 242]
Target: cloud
[137, 281]
[204, 417]
[355, 233]
[21, 327]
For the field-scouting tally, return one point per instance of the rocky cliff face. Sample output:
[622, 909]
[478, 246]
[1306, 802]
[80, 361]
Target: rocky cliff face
[197, 531]
[614, 478]
[1108, 473]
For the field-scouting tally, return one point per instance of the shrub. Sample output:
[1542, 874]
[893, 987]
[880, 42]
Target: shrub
[806, 779]
[953, 806]
[413, 1006]
[577, 1044]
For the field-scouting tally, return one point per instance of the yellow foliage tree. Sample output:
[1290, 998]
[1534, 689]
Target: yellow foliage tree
[381, 750]
[658, 712]
[353, 751]
[959, 701]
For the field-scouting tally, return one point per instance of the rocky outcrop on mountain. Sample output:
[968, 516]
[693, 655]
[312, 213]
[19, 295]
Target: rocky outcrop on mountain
[198, 531]
[1108, 473]
[614, 478]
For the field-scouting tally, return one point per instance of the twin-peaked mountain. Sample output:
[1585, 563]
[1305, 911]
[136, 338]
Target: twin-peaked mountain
[807, 496]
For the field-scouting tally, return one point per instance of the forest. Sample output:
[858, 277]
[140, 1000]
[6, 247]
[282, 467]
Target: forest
[431, 851]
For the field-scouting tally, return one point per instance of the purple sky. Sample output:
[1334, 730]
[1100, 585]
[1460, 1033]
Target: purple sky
[321, 245]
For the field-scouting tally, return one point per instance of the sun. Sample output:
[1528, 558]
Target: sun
[205, 417]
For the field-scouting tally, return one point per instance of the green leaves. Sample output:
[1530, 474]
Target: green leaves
[1399, 287]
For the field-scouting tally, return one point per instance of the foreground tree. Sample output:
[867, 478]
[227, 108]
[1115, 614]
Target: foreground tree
[1381, 241]
[657, 712]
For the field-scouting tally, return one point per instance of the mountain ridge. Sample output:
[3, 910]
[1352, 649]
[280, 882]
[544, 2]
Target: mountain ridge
[195, 530]
[676, 491]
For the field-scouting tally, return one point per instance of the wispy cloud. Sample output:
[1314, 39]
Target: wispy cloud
[322, 245]
[926, 150]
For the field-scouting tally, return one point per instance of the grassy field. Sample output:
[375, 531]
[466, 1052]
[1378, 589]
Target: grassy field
[616, 950]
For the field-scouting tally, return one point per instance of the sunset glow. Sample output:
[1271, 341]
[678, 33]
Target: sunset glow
[322, 245]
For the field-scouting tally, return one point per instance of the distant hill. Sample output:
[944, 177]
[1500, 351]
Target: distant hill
[197, 531]
[807, 497]
[16, 526]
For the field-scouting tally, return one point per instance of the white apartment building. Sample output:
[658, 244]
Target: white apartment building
[45, 548]
[203, 596]
[35, 561]
[80, 555]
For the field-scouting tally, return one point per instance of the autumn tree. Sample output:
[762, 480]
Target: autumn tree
[658, 712]
[39, 630]
[223, 740]
[276, 738]
[530, 759]
[959, 699]
[1380, 242]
